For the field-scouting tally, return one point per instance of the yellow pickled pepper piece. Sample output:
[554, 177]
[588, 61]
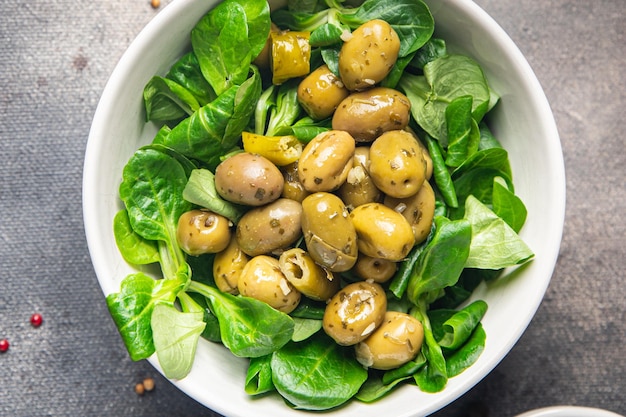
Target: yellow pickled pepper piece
[290, 55]
[280, 150]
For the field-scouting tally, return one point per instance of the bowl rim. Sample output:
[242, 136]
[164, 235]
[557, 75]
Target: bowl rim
[115, 84]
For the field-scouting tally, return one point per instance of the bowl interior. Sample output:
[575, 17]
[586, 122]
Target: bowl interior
[523, 122]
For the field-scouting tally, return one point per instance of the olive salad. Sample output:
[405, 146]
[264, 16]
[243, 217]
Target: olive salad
[323, 196]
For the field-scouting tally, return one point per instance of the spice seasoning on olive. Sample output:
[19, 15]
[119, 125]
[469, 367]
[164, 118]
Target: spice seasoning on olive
[326, 161]
[397, 164]
[227, 267]
[309, 278]
[395, 342]
[368, 55]
[419, 210]
[249, 179]
[271, 227]
[202, 231]
[262, 279]
[382, 232]
[368, 114]
[355, 312]
[321, 92]
[328, 231]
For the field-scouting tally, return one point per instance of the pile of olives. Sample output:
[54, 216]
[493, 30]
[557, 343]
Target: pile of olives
[358, 196]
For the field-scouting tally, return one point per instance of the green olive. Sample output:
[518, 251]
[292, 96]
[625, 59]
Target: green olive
[249, 179]
[227, 267]
[326, 160]
[368, 55]
[368, 114]
[329, 234]
[359, 187]
[293, 188]
[419, 210]
[202, 231]
[270, 227]
[395, 342]
[321, 92]
[375, 269]
[382, 232]
[397, 164]
[263, 280]
[355, 312]
[309, 278]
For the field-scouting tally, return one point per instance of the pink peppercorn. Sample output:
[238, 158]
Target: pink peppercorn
[4, 345]
[36, 320]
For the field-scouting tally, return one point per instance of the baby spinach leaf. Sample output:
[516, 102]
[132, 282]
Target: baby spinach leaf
[166, 100]
[131, 309]
[441, 262]
[374, 388]
[433, 49]
[309, 309]
[507, 205]
[494, 244]
[244, 104]
[444, 80]
[203, 135]
[305, 328]
[186, 72]
[411, 19]
[175, 334]
[401, 279]
[248, 327]
[468, 354]
[330, 56]
[326, 35]
[407, 370]
[300, 19]
[258, 17]
[259, 376]
[220, 41]
[442, 177]
[285, 108]
[317, 375]
[458, 328]
[458, 293]
[305, 129]
[491, 158]
[476, 175]
[462, 131]
[487, 139]
[200, 190]
[134, 248]
[433, 376]
[151, 188]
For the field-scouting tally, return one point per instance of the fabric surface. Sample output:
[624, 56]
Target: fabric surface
[55, 58]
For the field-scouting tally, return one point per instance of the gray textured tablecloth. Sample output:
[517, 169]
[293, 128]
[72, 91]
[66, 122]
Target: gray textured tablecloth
[55, 58]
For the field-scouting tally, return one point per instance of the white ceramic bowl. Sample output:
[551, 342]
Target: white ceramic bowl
[523, 122]
[569, 411]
